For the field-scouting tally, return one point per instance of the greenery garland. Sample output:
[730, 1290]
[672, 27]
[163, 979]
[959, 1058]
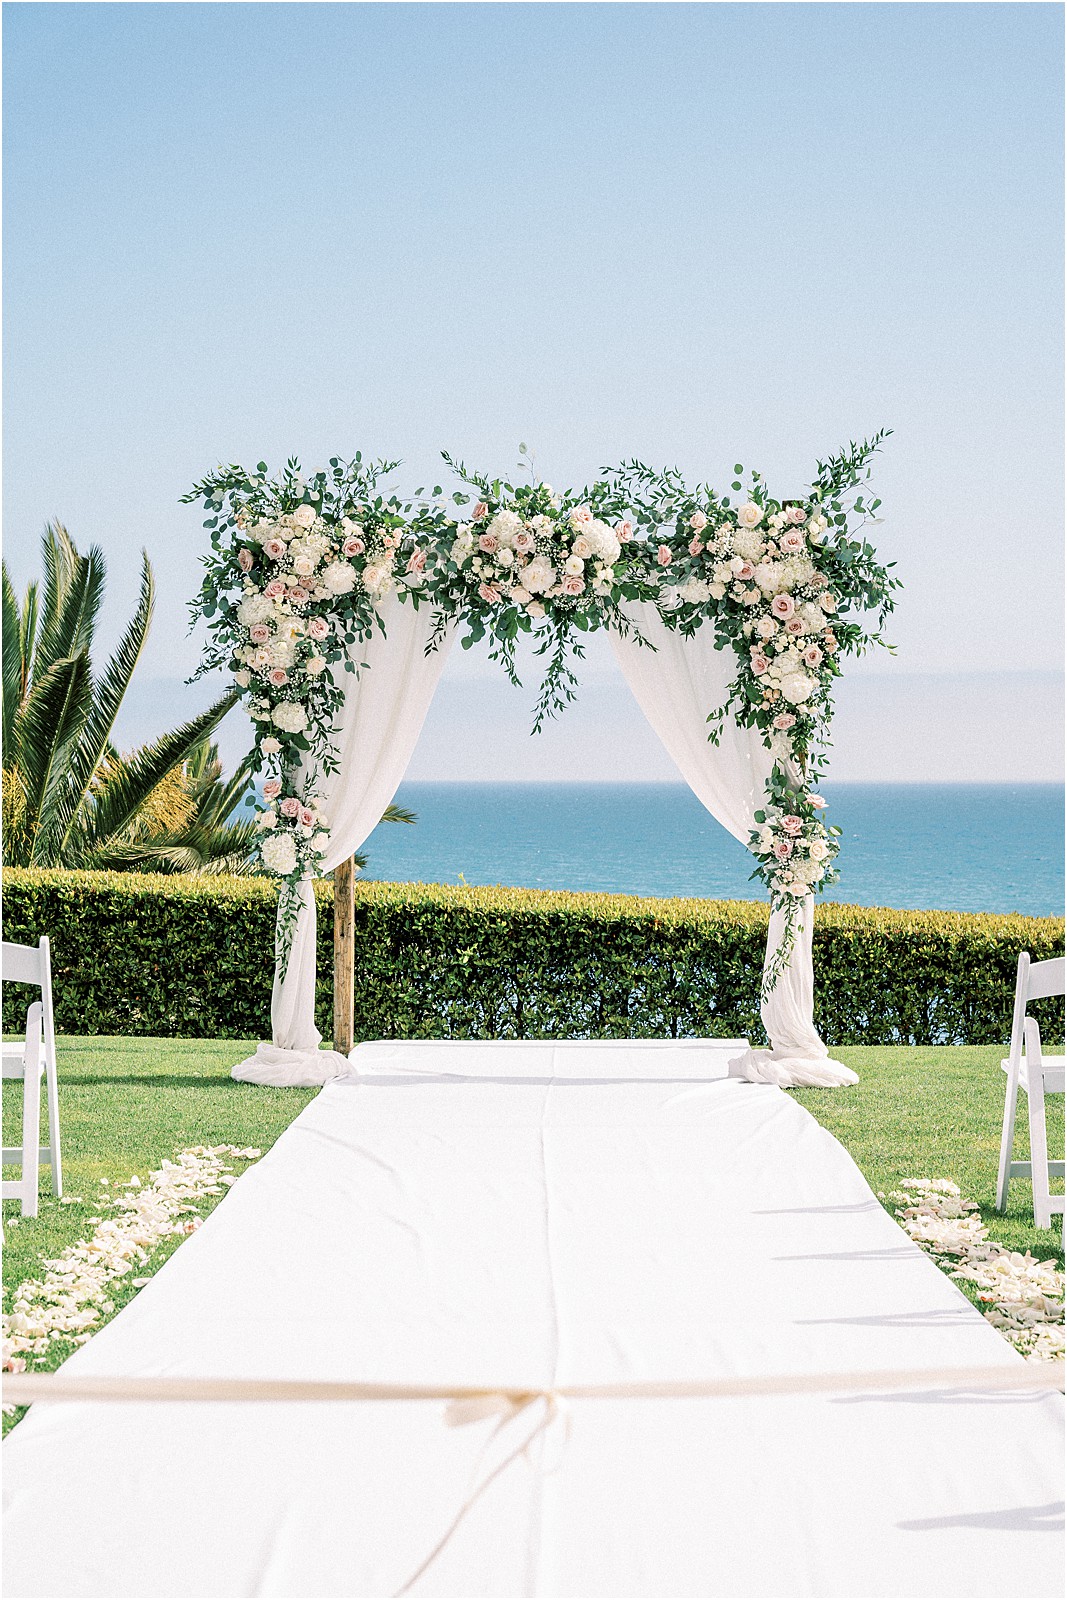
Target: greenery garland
[300, 565]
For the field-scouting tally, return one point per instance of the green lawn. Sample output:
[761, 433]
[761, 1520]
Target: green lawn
[127, 1104]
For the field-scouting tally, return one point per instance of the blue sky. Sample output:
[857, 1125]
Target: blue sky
[696, 233]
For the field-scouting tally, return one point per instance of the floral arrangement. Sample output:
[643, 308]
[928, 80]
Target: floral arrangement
[529, 560]
[791, 588]
[75, 1295]
[297, 571]
[1021, 1297]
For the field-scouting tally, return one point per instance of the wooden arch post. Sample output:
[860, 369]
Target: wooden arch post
[344, 955]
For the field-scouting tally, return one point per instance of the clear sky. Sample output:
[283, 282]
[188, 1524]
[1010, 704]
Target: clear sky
[696, 233]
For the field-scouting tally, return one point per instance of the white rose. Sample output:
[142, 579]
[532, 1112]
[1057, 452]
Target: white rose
[290, 716]
[538, 576]
[717, 590]
[314, 665]
[339, 578]
[574, 565]
[505, 556]
[750, 515]
[304, 517]
[279, 853]
[242, 678]
[766, 627]
[520, 595]
[582, 547]
[534, 608]
[376, 578]
[269, 745]
[818, 849]
[828, 601]
[797, 687]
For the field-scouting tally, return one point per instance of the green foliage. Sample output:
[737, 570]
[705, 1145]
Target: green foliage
[69, 798]
[188, 957]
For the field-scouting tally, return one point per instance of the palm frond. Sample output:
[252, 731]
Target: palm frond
[74, 586]
[12, 665]
[120, 799]
[50, 724]
[395, 813]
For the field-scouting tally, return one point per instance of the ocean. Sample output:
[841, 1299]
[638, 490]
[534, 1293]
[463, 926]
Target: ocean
[950, 847]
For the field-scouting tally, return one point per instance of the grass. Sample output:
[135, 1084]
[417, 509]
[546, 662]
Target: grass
[126, 1104]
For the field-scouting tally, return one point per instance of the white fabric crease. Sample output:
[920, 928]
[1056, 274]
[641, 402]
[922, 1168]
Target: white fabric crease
[677, 681]
[384, 709]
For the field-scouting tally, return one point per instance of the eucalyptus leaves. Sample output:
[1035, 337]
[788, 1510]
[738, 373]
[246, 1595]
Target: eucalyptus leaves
[300, 565]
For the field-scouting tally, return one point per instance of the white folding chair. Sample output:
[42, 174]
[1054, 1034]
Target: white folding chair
[26, 964]
[1029, 1069]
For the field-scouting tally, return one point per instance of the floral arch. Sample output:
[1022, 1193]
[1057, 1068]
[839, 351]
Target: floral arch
[333, 603]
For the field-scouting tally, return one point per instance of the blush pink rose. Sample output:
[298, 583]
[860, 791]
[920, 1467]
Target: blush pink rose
[792, 825]
[259, 633]
[829, 642]
[794, 626]
[307, 817]
[791, 543]
[480, 512]
[698, 521]
[272, 789]
[572, 584]
[275, 548]
[290, 807]
[353, 546]
[487, 542]
[784, 720]
[817, 801]
[745, 570]
[417, 561]
[489, 592]
[783, 607]
[828, 602]
[783, 849]
[524, 542]
[275, 589]
[318, 627]
[663, 555]
[759, 662]
[298, 594]
[796, 513]
[695, 547]
[624, 531]
[244, 560]
[278, 676]
[812, 656]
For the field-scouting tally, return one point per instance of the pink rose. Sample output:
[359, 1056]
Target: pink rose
[307, 817]
[275, 548]
[298, 594]
[695, 547]
[784, 720]
[259, 633]
[290, 807]
[573, 584]
[783, 607]
[480, 512]
[318, 627]
[663, 555]
[244, 558]
[796, 513]
[278, 677]
[698, 521]
[490, 593]
[624, 531]
[792, 825]
[275, 589]
[828, 602]
[272, 789]
[812, 656]
[783, 849]
[820, 581]
[416, 561]
[829, 642]
[759, 662]
[794, 626]
[524, 542]
[745, 570]
[817, 801]
[487, 542]
[791, 543]
[353, 546]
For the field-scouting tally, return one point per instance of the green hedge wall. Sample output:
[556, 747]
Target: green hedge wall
[191, 958]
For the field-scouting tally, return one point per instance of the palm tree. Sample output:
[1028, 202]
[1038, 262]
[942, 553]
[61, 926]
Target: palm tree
[69, 798]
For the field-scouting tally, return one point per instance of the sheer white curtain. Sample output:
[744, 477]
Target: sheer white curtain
[676, 684]
[384, 710]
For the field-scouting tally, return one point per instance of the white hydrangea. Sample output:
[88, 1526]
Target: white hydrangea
[539, 575]
[255, 608]
[746, 543]
[769, 576]
[338, 578]
[504, 526]
[604, 542]
[290, 716]
[695, 592]
[279, 853]
[797, 687]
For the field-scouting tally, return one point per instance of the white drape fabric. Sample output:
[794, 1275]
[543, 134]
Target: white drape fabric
[385, 707]
[677, 682]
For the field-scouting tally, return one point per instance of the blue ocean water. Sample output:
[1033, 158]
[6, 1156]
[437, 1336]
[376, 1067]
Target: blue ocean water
[950, 847]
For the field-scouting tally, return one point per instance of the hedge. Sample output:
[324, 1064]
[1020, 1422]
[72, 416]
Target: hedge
[191, 958]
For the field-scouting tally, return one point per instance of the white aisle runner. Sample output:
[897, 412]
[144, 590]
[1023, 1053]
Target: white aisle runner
[535, 1215]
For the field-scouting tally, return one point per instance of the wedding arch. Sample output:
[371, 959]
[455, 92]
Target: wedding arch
[334, 604]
